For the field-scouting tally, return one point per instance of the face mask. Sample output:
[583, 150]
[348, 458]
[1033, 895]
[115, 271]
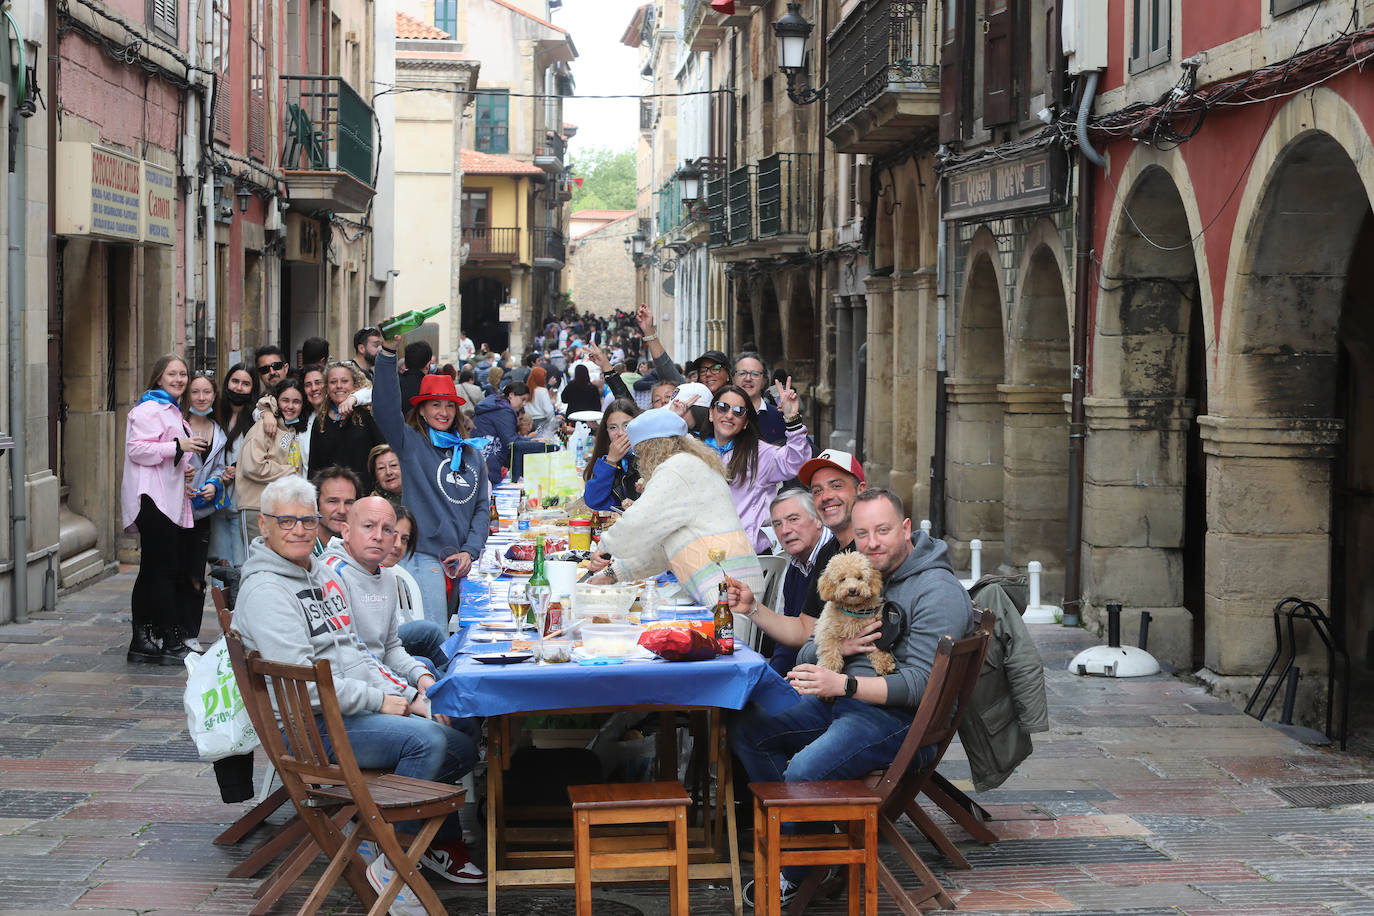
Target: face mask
[202, 413]
[293, 421]
[238, 398]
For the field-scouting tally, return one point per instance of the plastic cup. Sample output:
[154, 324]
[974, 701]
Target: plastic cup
[562, 576]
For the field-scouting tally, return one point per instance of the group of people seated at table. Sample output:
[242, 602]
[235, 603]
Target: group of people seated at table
[305, 597]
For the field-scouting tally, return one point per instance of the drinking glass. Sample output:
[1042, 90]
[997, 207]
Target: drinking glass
[539, 597]
[519, 600]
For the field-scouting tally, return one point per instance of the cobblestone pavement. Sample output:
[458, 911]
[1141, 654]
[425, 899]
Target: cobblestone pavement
[1146, 797]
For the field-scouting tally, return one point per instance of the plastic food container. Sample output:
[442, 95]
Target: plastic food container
[555, 650]
[610, 639]
[604, 603]
[580, 534]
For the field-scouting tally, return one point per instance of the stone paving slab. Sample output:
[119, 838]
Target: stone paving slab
[1146, 797]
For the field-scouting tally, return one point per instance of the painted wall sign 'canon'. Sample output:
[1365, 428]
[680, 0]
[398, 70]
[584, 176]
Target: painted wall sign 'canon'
[1031, 183]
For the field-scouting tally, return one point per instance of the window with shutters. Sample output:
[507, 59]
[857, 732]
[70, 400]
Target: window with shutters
[1150, 34]
[999, 70]
[219, 61]
[446, 16]
[257, 80]
[954, 87]
[162, 16]
[493, 121]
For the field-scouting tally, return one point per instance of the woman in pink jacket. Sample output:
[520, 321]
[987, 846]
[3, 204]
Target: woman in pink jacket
[157, 505]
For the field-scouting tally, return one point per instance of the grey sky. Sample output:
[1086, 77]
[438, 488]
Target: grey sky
[604, 66]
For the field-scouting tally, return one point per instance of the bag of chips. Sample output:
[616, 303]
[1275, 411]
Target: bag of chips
[679, 645]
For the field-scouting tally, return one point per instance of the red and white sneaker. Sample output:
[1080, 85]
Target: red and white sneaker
[452, 863]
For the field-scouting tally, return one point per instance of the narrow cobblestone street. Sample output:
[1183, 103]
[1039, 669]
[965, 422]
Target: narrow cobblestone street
[1147, 796]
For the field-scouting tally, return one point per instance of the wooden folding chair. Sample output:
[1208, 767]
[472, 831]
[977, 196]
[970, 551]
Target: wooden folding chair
[957, 666]
[318, 785]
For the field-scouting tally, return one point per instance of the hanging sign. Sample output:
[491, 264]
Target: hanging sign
[99, 192]
[1033, 182]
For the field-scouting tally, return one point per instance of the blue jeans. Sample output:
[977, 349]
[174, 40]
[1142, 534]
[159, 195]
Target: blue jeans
[812, 741]
[226, 537]
[412, 746]
[429, 575]
[424, 641]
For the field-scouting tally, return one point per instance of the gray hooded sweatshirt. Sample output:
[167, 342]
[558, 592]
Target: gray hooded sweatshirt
[373, 599]
[933, 603]
[298, 616]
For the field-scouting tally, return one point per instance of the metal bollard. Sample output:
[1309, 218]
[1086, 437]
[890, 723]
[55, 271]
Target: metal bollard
[1114, 625]
[1144, 640]
[1034, 568]
[975, 554]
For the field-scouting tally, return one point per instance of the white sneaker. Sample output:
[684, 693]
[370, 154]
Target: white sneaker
[367, 849]
[379, 875]
[193, 644]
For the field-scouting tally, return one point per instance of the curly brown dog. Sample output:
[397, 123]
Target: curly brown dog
[853, 594]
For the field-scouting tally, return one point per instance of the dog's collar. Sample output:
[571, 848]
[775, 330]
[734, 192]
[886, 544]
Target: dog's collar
[868, 613]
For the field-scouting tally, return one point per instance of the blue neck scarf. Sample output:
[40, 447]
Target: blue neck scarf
[440, 438]
[160, 395]
[725, 449]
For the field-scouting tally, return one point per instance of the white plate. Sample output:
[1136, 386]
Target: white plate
[502, 625]
[585, 416]
[503, 658]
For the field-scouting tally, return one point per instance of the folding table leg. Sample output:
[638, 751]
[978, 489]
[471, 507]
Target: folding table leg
[725, 792]
[496, 726]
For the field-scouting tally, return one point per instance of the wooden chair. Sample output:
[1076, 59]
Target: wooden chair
[957, 666]
[849, 803]
[630, 803]
[319, 786]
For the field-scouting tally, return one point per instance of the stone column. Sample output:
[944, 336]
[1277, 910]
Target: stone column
[1035, 447]
[842, 436]
[1268, 520]
[878, 407]
[973, 470]
[913, 389]
[1134, 493]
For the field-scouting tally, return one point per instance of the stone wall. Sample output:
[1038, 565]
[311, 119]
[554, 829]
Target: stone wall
[599, 274]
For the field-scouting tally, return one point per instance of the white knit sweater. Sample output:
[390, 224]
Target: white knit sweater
[685, 510]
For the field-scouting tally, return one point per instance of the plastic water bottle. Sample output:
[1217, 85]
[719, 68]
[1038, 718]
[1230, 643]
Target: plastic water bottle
[648, 603]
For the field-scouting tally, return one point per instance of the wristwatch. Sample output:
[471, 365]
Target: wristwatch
[851, 685]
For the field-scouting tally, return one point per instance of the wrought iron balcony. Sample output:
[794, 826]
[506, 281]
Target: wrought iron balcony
[762, 208]
[548, 152]
[549, 248]
[884, 75]
[492, 243]
[327, 144]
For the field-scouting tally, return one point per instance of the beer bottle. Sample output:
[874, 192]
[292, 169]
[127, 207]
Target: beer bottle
[406, 322]
[725, 621]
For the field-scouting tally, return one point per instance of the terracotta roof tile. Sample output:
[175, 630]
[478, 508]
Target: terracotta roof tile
[602, 214]
[410, 27]
[479, 163]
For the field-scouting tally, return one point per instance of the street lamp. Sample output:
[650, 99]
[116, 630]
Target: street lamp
[689, 183]
[793, 31]
[244, 195]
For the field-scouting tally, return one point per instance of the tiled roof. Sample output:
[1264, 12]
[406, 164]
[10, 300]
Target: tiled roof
[479, 163]
[410, 27]
[611, 215]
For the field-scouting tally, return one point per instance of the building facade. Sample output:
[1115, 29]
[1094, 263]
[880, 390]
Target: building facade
[599, 278]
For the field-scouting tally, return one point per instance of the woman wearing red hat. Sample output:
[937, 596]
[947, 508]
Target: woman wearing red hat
[445, 477]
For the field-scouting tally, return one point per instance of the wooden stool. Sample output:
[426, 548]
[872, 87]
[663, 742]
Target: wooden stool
[850, 803]
[629, 803]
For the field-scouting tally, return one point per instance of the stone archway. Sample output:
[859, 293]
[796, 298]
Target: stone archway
[974, 466]
[1035, 425]
[1287, 427]
[1144, 487]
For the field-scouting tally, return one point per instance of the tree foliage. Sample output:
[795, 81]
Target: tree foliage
[608, 179]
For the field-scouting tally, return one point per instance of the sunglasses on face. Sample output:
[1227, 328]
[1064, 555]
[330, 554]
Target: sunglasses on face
[271, 367]
[287, 522]
[722, 407]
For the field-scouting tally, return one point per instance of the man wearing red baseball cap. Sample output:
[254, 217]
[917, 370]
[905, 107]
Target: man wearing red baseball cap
[835, 479]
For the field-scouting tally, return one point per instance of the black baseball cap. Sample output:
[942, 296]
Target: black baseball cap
[710, 357]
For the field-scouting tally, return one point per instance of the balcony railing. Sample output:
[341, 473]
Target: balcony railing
[739, 205]
[492, 243]
[716, 211]
[328, 127]
[548, 246]
[882, 46]
[769, 199]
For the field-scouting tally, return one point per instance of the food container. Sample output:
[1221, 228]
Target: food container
[604, 603]
[555, 651]
[580, 534]
[610, 639]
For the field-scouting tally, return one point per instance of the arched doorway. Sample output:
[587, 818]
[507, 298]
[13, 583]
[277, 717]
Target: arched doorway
[974, 467]
[1290, 432]
[1035, 431]
[482, 296]
[1144, 501]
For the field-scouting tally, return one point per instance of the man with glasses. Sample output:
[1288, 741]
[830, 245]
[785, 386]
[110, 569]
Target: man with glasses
[750, 377]
[271, 365]
[712, 369]
[294, 609]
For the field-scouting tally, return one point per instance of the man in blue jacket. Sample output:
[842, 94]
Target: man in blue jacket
[848, 723]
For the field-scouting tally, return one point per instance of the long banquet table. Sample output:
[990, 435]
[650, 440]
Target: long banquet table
[506, 693]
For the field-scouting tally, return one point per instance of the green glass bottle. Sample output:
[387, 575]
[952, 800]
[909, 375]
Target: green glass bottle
[539, 591]
[406, 322]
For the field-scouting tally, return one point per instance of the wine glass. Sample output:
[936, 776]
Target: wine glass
[519, 600]
[539, 597]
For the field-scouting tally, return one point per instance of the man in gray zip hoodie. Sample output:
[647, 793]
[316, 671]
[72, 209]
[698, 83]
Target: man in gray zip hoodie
[852, 722]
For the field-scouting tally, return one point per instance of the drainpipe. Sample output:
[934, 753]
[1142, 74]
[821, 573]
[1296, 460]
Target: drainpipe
[937, 460]
[818, 283]
[15, 293]
[208, 196]
[190, 159]
[1073, 567]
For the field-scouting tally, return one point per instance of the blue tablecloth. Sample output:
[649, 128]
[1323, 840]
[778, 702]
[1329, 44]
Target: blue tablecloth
[470, 688]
